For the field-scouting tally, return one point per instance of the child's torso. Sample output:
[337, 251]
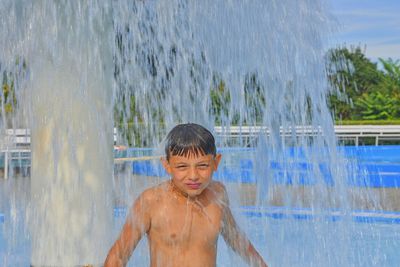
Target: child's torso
[184, 232]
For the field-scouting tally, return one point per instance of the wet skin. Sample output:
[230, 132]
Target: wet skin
[183, 218]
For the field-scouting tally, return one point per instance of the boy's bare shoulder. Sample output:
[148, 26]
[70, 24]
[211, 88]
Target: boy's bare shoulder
[154, 193]
[219, 191]
[217, 187]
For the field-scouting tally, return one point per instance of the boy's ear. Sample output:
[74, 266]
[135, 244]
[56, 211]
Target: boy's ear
[217, 160]
[166, 165]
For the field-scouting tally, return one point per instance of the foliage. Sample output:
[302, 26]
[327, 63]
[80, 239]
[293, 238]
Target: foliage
[390, 84]
[254, 100]
[369, 122]
[132, 125]
[8, 98]
[363, 92]
[377, 106]
[220, 100]
[9, 86]
[392, 71]
[353, 75]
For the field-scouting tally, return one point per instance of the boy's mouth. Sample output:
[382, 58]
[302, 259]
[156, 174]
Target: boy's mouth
[193, 185]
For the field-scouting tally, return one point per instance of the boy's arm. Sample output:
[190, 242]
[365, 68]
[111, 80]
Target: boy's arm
[237, 240]
[137, 224]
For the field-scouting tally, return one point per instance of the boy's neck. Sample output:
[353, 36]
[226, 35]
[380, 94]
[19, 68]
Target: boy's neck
[180, 193]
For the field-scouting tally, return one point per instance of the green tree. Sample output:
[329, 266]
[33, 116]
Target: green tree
[9, 87]
[352, 74]
[376, 105]
[8, 98]
[391, 69]
[220, 100]
[254, 99]
[390, 84]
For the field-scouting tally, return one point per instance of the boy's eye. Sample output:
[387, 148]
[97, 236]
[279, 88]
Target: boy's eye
[181, 167]
[203, 166]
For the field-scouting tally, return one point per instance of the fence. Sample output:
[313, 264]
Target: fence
[15, 143]
[352, 133]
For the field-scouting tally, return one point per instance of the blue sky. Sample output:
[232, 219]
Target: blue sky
[371, 23]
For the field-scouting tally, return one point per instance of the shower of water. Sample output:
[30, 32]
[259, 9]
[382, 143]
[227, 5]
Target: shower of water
[169, 62]
[267, 59]
[67, 105]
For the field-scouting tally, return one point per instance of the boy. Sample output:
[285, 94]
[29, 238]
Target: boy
[184, 216]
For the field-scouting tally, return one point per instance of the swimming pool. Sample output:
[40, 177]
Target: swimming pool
[381, 164]
[279, 244]
[285, 235]
[283, 239]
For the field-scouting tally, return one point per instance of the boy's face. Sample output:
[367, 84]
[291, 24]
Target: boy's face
[193, 173]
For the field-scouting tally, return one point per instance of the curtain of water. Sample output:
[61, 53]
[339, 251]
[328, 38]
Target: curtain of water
[267, 61]
[66, 100]
[161, 71]
[262, 62]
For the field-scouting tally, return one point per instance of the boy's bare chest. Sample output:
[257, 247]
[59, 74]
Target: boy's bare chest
[188, 223]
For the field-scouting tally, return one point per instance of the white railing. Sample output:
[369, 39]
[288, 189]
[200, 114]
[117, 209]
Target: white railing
[16, 142]
[379, 132]
[343, 132]
[14, 145]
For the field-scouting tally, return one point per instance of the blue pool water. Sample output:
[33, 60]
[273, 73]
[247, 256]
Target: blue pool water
[373, 244]
[279, 244]
[284, 236]
[377, 166]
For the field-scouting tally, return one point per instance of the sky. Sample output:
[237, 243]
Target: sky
[374, 24]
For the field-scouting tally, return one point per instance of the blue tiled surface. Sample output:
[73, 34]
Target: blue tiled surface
[375, 166]
[307, 214]
[304, 214]
[298, 214]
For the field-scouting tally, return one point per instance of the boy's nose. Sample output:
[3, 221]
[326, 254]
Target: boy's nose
[193, 174]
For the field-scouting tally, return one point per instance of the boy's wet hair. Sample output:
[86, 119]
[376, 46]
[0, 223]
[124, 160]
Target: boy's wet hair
[188, 138]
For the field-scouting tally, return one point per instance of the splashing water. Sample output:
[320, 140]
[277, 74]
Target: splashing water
[147, 65]
[67, 104]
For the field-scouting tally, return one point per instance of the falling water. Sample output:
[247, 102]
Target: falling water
[67, 103]
[267, 59]
[152, 64]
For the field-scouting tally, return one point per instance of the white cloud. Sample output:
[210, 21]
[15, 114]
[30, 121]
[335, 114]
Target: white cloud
[368, 13]
[383, 22]
[375, 24]
[376, 51]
